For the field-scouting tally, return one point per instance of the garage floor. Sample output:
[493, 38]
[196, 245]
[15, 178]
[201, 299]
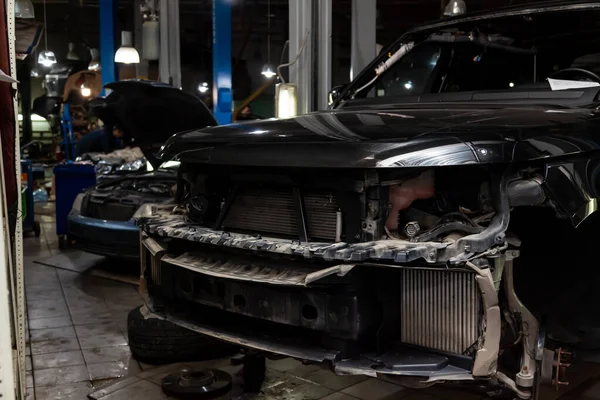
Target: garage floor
[77, 341]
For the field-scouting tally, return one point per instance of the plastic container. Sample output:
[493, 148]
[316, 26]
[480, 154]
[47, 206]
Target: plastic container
[69, 181]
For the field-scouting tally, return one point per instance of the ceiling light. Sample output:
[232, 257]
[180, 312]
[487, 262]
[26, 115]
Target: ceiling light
[127, 54]
[512, 84]
[71, 55]
[455, 7]
[47, 58]
[203, 87]
[408, 85]
[267, 71]
[94, 64]
[86, 91]
[24, 9]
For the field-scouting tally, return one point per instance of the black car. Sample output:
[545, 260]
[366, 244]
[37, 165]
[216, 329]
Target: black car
[439, 222]
[102, 218]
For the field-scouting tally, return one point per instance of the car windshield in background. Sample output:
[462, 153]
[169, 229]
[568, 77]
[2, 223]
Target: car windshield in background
[509, 53]
[433, 67]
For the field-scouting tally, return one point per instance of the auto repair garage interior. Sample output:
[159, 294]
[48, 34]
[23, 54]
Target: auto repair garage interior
[299, 199]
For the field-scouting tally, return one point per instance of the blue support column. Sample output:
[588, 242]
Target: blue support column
[108, 30]
[222, 87]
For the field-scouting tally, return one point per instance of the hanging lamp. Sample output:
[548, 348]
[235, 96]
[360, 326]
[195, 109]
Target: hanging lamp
[24, 9]
[71, 55]
[127, 54]
[46, 57]
[455, 7]
[267, 70]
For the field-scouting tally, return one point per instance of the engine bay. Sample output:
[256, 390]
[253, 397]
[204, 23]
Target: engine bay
[429, 209]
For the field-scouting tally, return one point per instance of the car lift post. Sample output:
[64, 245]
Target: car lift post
[169, 63]
[222, 84]
[108, 12]
[363, 25]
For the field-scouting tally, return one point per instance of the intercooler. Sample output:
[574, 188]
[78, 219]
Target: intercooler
[276, 212]
[440, 309]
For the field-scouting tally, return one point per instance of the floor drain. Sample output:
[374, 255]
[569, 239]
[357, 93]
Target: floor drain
[197, 384]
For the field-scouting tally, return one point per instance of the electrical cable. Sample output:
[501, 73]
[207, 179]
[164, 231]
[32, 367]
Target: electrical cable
[285, 46]
[295, 59]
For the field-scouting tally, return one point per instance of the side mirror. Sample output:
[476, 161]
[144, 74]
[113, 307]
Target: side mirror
[335, 93]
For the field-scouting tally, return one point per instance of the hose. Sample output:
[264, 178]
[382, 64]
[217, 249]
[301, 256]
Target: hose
[295, 59]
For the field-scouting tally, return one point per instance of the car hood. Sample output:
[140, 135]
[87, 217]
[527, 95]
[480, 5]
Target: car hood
[151, 112]
[394, 137]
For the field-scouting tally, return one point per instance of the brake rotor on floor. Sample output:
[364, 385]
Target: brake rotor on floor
[197, 384]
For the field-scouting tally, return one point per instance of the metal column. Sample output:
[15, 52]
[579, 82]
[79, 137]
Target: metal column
[222, 84]
[364, 13]
[170, 60]
[324, 13]
[12, 282]
[108, 12]
[300, 15]
[138, 39]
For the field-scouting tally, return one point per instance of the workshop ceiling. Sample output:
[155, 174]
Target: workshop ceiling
[77, 20]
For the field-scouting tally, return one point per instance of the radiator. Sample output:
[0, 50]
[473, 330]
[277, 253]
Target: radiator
[110, 211]
[440, 309]
[274, 212]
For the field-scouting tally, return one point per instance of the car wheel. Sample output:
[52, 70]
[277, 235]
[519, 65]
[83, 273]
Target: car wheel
[157, 341]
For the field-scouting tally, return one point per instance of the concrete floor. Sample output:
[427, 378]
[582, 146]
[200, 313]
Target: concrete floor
[77, 341]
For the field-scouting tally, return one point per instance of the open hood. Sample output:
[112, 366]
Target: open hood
[151, 112]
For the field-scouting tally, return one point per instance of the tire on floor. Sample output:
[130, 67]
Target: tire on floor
[156, 341]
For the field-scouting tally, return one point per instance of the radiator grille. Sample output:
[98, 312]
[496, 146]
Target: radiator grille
[440, 309]
[274, 211]
[155, 270]
[110, 211]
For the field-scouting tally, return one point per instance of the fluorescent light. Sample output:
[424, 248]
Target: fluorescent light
[286, 100]
[127, 54]
[34, 118]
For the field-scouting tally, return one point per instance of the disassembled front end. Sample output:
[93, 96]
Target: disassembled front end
[404, 274]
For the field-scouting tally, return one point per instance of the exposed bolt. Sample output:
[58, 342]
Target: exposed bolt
[412, 228]
[432, 255]
[467, 248]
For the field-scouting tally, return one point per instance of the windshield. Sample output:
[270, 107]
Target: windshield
[508, 54]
